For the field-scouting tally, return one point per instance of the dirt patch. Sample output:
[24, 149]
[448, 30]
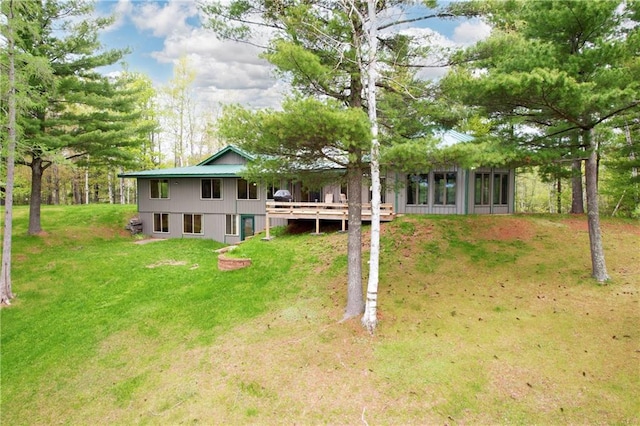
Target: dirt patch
[148, 240]
[167, 263]
[577, 223]
[503, 228]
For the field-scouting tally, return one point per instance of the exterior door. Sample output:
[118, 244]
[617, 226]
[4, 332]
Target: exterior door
[247, 224]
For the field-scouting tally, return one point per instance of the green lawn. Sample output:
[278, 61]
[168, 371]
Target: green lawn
[484, 320]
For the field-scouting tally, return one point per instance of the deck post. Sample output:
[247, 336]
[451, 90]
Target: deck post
[317, 222]
[267, 237]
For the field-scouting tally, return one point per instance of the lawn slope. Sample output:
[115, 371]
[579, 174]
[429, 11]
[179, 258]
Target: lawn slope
[483, 320]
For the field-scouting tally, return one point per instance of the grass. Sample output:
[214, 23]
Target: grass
[483, 320]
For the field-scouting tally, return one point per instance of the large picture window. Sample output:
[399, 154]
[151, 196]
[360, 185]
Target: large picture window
[482, 182]
[418, 189]
[247, 190]
[192, 223]
[159, 188]
[211, 189]
[444, 188]
[232, 225]
[161, 222]
[500, 189]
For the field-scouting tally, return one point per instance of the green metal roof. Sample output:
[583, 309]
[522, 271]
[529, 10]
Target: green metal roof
[202, 169]
[218, 170]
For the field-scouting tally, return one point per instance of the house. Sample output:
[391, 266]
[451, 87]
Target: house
[211, 200]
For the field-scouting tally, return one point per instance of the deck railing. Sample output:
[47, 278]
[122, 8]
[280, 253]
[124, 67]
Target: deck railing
[321, 211]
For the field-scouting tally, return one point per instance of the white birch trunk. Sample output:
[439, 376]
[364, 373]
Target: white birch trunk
[122, 187]
[110, 187]
[6, 293]
[86, 185]
[370, 317]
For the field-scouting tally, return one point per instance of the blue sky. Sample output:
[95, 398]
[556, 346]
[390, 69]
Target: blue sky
[160, 32]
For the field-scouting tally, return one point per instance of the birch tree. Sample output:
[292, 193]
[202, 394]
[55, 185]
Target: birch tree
[370, 317]
[318, 46]
[6, 293]
[180, 110]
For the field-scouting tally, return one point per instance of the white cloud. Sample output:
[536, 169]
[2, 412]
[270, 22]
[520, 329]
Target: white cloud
[121, 11]
[222, 66]
[164, 19]
[470, 32]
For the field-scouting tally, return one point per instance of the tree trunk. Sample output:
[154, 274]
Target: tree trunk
[577, 201]
[599, 268]
[86, 186]
[370, 317]
[122, 188]
[49, 189]
[56, 184]
[559, 195]
[35, 201]
[355, 303]
[6, 293]
[77, 194]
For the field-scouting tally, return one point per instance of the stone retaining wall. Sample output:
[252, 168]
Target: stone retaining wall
[231, 263]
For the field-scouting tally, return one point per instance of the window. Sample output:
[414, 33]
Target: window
[271, 189]
[159, 188]
[500, 188]
[232, 225]
[161, 222]
[192, 223]
[247, 190]
[211, 189]
[482, 189]
[444, 189]
[418, 189]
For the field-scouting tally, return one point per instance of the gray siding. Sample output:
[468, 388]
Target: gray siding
[230, 158]
[185, 197]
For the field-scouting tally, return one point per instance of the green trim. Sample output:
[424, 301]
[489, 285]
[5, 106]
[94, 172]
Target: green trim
[219, 170]
[253, 225]
[223, 151]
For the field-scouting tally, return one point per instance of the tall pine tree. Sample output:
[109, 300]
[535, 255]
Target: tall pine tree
[561, 67]
[84, 113]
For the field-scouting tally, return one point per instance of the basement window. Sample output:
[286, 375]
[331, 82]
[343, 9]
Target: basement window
[161, 222]
[232, 224]
[192, 223]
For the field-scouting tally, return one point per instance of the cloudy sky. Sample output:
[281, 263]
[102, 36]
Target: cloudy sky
[160, 32]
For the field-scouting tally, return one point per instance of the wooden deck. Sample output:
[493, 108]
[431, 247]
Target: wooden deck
[321, 211]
